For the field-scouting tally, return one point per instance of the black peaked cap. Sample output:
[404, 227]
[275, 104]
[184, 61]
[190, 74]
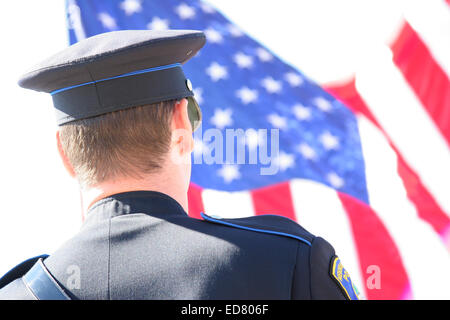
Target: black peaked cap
[118, 70]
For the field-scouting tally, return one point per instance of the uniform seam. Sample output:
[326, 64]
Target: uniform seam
[295, 269]
[310, 269]
[109, 262]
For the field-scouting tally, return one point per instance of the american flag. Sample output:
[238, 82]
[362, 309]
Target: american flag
[339, 146]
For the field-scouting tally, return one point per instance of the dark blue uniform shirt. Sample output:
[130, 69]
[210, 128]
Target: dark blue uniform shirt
[143, 245]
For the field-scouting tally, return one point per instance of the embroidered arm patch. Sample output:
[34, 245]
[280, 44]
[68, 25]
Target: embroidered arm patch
[342, 278]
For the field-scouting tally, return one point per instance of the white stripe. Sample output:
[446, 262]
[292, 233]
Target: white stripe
[431, 20]
[320, 211]
[227, 204]
[424, 255]
[406, 122]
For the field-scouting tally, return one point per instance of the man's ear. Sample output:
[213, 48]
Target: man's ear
[181, 127]
[63, 156]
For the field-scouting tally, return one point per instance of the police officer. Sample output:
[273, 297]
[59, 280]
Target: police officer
[126, 114]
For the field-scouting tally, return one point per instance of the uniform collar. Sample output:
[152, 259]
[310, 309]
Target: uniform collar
[148, 202]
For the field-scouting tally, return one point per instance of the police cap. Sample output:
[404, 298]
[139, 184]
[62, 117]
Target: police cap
[118, 70]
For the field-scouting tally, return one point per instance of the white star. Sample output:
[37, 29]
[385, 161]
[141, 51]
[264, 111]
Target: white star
[301, 112]
[277, 121]
[307, 152]
[336, 181]
[247, 95]
[322, 104]
[264, 55]
[107, 21]
[213, 36]
[207, 8]
[271, 85]
[329, 141]
[158, 24]
[131, 6]
[253, 139]
[217, 71]
[229, 172]
[198, 95]
[235, 31]
[185, 12]
[285, 161]
[243, 60]
[200, 147]
[222, 118]
[294, 79]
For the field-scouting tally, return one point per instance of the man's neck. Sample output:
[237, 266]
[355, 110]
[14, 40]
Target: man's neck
[161, 182]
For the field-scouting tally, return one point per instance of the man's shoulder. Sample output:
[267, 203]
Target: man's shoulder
[11, 285]
[275, 225]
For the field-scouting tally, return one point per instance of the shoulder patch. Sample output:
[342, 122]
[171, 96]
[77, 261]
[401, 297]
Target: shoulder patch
[342, 278]
[270, 224]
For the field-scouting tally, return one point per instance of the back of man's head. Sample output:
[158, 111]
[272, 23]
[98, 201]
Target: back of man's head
[129, 143]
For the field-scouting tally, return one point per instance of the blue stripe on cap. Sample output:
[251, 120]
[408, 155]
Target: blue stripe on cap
[133, 73]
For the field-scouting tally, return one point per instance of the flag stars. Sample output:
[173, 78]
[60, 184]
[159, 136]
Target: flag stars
[107, 21]
[277, 121]
[264, 55]
[307, 152]
[213, 36]
[247, 95]
[336, 181]
[271, 85]
[285, 161]
[253, 139]
[158, 24]
[329, 141]
[229, 172]
[200, 147]
[294, 79]
[207, 8]
[222, 118]
[301, 112]
[243, 61]
[234, 31]
[185, 12]
[322, 104]
[217, 72]
[131, 6]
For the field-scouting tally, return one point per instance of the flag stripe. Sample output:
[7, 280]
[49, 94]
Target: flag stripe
[431, 21]
[195, 202]
[421, 249]
[412, 131]
[275, 199]
[227, 204]
[321, 213]
[427, 207]
[425, 76]
[377, 252]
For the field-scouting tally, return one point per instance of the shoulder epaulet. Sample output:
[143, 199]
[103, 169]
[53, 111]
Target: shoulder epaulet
[38, 281]
[270, 224]
[19, 270]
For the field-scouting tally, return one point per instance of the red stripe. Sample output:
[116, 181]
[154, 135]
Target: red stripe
[427, 207]
[274, 199]
[425, 76]
[195, 201]
[377, 249]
